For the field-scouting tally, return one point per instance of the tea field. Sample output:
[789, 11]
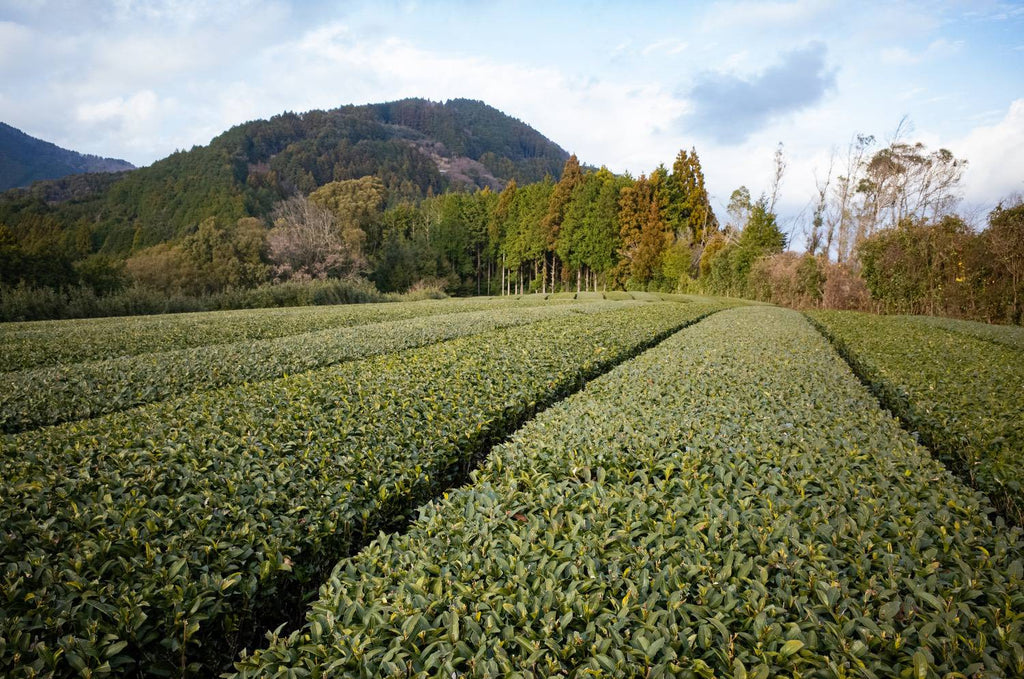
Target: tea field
[50, 395]
[960, 388]
[676, 487]
[42, 343]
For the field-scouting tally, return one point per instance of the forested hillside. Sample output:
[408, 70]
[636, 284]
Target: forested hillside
[414, 148]
[25, 159]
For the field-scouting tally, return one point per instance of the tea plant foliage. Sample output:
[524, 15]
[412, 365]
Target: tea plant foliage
[48, 343]
[961, 394]
[154, 541]
[1007, 335]
[32, 398]
[732, 503]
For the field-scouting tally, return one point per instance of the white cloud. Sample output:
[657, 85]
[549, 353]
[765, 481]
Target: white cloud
[624, 46]
[109, 79]
[746, 14]
[136, 109]
[14, 39]
[136, 127]
[995, 157]
[669, 47]
[148, 58]
[912, 93]
[736, 61]
[937, 49]
[184, 13]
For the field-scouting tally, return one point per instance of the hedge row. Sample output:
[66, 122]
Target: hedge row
[1008, 335]
[961, 394]
[152, 541]
[46, 343]
[732, 503]
[32, 398]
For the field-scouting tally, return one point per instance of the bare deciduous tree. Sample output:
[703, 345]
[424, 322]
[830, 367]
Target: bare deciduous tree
[738, 210]
[780, 171]
[307, 243]
[839, 221]
[904, 180]
[818, 220]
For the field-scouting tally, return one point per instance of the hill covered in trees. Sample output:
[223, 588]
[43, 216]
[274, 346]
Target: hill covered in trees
[25, 159]
[415, 147]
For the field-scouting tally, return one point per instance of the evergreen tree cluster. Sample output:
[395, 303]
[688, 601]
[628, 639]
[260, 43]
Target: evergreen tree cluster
[590, 230]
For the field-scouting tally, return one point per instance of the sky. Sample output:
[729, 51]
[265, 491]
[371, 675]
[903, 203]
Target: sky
[621, 84]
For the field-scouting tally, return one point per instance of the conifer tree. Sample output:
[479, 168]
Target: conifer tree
[572, 176]
[497, 228]
[644, 231]
[689, 212]
[631, 221]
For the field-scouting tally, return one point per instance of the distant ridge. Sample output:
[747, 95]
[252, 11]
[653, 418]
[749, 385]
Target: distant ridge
[25, 159]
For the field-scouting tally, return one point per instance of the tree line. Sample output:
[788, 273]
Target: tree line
[590, 230]
[883, 235]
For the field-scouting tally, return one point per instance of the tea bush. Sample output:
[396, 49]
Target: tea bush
[1008, 335]
[961, 394]
[31, 398]
[46, 343]
[153, 541]
[732, 503]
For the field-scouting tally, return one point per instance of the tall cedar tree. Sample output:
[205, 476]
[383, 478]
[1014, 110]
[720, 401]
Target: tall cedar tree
[570, 247]
[589, 238]
[497, 230]
[496, 227]
[572, 177]
[642, 227]
[524, 239]
[689, 212]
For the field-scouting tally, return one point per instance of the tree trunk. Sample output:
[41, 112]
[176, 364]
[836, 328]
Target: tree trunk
[1016, 309]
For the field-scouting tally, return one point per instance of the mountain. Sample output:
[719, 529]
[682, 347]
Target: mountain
[415, 146]
[25, 159]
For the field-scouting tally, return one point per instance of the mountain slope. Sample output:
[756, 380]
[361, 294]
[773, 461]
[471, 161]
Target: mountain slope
[416, 147]
[25, 159]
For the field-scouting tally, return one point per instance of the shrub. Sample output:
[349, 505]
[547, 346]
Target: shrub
[844, 289]
[788, 279]
[29, 303]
